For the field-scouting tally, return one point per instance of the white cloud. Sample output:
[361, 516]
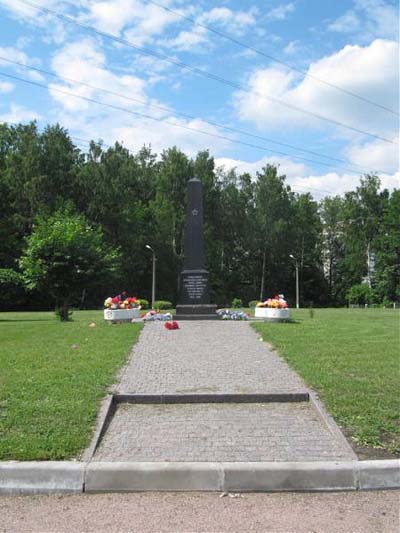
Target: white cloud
[286, 166]
[18, 114]
[371, 18]
[14, 54]
[338, 184]
[233, 21]
[291, 48]
[82, 61]
[376, 155]
[6, 87]
[134, 132]
[133, 19]
[85, 62]
[301, 180]
[370, 71]
[53, 30]
[281, 12]
[349, 22]
[186, 40]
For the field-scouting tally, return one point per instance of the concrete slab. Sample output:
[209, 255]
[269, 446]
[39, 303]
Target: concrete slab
[133, 476]
[291, 476]
[44, 476]
[379, 474]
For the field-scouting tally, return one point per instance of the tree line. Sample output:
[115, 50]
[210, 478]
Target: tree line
[347, 247]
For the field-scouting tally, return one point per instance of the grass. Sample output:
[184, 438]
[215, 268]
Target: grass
[351, 358]
[52, 378]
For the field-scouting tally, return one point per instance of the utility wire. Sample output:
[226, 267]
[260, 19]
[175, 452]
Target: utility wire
[174, 124]
[200, 72]
[191, 117]
[268, 56]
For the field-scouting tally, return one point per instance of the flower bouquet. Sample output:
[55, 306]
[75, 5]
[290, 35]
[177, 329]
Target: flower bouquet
[118, 303]
[275, 308]
[228, 314]
[120, 308]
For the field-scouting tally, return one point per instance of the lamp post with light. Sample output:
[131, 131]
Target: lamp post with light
[297, 280]
[153, 288]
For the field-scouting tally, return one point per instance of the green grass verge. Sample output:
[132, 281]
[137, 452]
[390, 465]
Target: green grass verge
[52, 378]
[351, 358]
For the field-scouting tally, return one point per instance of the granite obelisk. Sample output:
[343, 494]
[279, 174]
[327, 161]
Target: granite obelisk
[194, 283]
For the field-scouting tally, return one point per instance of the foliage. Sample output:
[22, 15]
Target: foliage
[144, 304]
[64, 256]
[253, 303]
[237, 302]
[53, 374]
[11, 288]
[162, 304]
[350, 357]
[251, 225]
[361, 294]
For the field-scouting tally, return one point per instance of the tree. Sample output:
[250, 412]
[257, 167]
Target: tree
[387, 252]
[64, 256]
[307, 247]
[333, 245]
[273, 212]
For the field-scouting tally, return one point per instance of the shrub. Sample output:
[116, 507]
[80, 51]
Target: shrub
[144, 304]
[65, 255]
[361, 294]
[162, 304]
[253, 303]
[237, 302]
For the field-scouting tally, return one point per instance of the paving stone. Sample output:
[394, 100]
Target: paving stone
[219, 432]
[205, 357]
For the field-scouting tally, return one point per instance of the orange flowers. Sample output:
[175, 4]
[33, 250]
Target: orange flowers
[277, 302]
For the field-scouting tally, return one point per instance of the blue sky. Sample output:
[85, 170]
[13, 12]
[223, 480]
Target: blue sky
[351, 44]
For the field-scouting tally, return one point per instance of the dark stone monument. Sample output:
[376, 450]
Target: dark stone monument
[194, 285]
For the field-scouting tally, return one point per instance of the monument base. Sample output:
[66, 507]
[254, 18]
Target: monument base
[196, 312]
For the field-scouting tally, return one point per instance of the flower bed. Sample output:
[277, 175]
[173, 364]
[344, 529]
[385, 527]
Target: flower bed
[120, 314]
[121, 307]
[275, 308]
[271, 314]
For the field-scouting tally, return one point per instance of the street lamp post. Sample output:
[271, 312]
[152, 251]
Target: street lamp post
[297, 281]
[153, 288]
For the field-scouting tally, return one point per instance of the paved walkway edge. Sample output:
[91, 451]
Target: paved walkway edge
[64, 476]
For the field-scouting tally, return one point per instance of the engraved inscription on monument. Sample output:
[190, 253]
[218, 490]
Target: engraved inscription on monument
[195, 285]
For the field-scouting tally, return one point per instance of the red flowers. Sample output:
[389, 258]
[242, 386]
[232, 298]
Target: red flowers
[171, 325]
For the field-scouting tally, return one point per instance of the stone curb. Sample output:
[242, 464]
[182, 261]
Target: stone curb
[41, 476]
[256, 397]
[67, 476]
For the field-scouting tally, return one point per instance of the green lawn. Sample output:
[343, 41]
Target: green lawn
[351, 358]
[52, 377]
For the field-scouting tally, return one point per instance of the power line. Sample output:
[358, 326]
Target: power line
[200, 72]
[157, 119]
[191, 117]
[268, 56]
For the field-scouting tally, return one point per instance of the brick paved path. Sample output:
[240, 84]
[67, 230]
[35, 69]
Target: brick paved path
[213, 357]
[205, 357]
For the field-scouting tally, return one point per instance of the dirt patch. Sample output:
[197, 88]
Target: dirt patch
[368, 453]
